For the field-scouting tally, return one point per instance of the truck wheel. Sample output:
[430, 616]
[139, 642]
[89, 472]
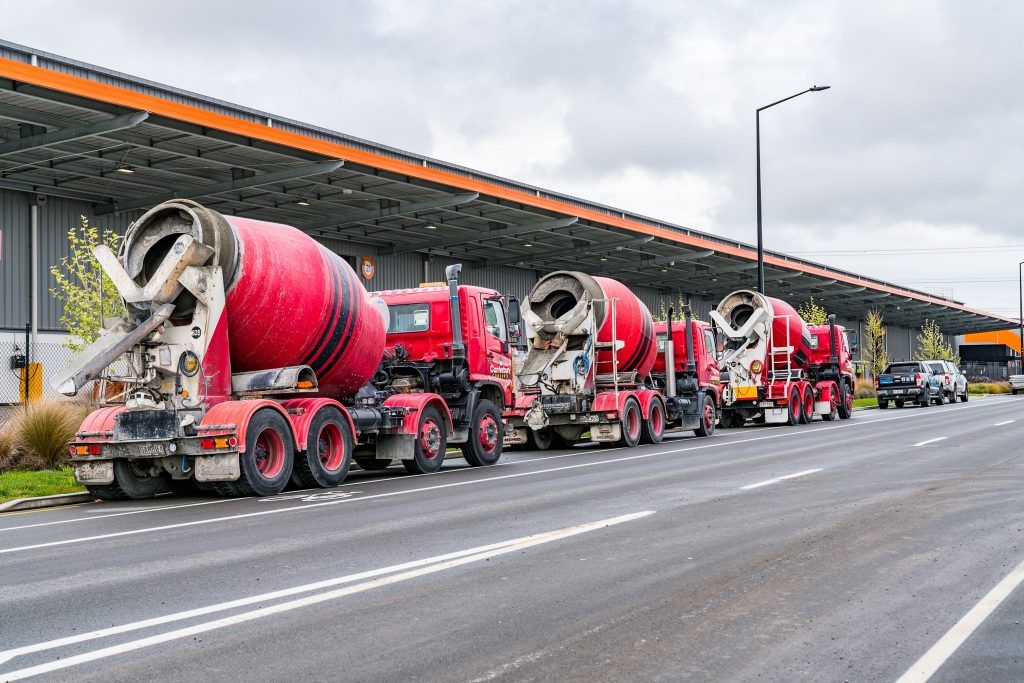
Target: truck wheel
[795, 409]
[430, 444]
[808, 405]
[132, 479]
[538, 440]
[485, 436]
[632, 423]
[266, 464]
[845, 401]
[833, 403]
[653, 428]
[924, 401]
[941, 398]
[708, 416]
[328, 453]
[899, 403]
[966, 391]
[883, 403]
[368, 463]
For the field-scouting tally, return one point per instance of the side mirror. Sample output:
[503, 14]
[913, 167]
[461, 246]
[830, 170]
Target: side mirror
[515, 316]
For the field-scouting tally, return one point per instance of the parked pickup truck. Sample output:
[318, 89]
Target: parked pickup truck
[952, 382]
[1017, 383]
[908, 382]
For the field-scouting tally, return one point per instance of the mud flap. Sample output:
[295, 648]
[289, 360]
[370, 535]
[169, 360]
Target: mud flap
[397, 447]
[219, 467]
[97, 472]
[606, 432]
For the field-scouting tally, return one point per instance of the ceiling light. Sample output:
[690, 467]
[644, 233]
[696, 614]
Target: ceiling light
[124, 168]
[604, 258]
[664, 270]
[528, 244]
[346, 191]
[430, 226]
[302, 201]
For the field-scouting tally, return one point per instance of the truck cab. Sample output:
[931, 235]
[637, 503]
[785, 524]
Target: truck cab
[451, 341]
[704, 350]
[692, 386]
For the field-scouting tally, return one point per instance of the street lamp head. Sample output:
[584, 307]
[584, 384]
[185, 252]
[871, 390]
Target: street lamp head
[816, 88]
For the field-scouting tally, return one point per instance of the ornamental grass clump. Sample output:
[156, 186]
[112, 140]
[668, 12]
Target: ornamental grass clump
[6, 448]
[40, 434]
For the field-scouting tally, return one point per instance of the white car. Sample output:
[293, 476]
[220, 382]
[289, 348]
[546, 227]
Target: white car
[952, 382]
[1017, 383]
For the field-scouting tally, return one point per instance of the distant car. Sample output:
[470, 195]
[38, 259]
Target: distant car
[952, 382]
[908, 382]
[1017, 383]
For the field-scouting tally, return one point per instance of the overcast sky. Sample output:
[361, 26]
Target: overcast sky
[648, 106]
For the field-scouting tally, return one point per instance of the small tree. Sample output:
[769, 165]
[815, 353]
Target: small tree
[874, 353]
[931, 345]
[677, 313]
[88, 294]
[812, 313]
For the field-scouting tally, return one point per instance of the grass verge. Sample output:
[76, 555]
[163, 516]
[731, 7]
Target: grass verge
[23, 484]
[864, 402]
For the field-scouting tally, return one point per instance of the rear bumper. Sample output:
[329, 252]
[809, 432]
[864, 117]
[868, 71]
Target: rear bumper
[914, 393]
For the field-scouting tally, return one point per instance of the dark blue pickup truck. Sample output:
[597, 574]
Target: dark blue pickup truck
[908, 382]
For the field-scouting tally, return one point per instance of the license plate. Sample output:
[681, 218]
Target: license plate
[99, 472]
[766, 404]
[150, 449]
[589, 418]
[885, 380]
[897, 391]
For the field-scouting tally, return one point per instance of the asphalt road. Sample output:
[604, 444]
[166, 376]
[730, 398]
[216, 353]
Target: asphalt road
[697, 559]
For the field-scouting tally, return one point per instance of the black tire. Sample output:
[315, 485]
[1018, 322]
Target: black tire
[708, 415]
[486, 434]
[845, 406]
[899, 402]
[369, 463]
[429, 444]
[883, 403]
[940, 399]
[967, 391]
[266, 465]
[132, 481]
[540, 439]
[807, 405]
[328, 453]
[795, 410]
[653, 428]
[631, 423]
[924, 401]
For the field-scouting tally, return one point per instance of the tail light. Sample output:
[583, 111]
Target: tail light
[947, 379]
[876, 384]
[917, 379]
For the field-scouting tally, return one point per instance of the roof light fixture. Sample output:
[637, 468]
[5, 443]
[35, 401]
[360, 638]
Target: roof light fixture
[302, 202]
[124, 168]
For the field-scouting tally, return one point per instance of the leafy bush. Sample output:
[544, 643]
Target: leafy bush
[40, 433]
[864, 388]
[990, 388]
[6, 448]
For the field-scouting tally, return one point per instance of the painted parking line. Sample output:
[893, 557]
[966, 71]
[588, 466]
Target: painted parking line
[404, 573]
[768, 482]
[781, 433]
[1000, 424]
[925, 443]
[931, 661]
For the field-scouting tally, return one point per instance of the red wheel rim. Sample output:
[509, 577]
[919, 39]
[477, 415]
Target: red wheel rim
[632, 421]
[794, 405]
[657, 419]
[430, 439]
[809, 404]
[849, 401]
[709, 415]
[832, 402]
[268, 453]
[331, 447]
[488, 433]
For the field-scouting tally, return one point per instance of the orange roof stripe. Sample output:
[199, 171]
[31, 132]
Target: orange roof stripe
[1006, 337]
[111, 94]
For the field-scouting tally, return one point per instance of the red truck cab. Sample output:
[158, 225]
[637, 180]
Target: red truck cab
[831, 369]
[704, 350]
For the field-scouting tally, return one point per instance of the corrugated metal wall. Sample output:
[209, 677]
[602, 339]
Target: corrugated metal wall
[14, 233]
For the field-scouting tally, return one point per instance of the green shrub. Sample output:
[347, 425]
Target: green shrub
[990, 388]
[864, 388]
[40, 433]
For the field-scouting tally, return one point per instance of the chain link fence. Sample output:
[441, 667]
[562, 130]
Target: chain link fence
[40, 364]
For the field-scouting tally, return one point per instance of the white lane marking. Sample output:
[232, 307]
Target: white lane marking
[930, 661]
[483, 480]
[133, 511]
[767, 482]
[1000, 424]
[925, 443]
[468, 556]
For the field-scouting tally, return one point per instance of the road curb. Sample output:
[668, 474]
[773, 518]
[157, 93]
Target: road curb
[46, 501]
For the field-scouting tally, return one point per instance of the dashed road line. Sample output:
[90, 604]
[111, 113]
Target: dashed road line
[774, 480]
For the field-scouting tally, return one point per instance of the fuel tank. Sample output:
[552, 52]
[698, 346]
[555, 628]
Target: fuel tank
[617, 311]
[289, 300]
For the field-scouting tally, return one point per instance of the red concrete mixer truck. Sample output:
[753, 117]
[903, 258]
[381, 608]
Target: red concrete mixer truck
[252, 356]
[776, 369]
[591, 348]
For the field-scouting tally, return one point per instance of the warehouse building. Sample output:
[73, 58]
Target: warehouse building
[82, 141]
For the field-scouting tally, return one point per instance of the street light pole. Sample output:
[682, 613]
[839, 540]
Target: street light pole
[757, 128]
[1020, 294]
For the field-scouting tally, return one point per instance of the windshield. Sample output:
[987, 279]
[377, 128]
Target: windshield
[409, 318]
[937, 367]
[903, 367]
